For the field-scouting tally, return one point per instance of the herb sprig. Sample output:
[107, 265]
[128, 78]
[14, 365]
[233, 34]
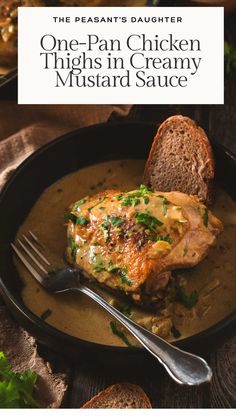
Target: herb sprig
[108, 222]
[99, 266]
[133, 198]
[188, 301]
[148, 221]
[16, 389]
[76, 220]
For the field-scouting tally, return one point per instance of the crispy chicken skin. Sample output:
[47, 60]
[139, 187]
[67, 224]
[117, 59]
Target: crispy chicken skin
[131, 241]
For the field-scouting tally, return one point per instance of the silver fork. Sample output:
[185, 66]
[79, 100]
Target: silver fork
[183, 367]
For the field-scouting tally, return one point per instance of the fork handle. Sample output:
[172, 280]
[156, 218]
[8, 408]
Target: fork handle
[183, 367]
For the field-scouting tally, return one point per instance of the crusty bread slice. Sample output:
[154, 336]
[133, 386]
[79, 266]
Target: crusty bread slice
[120, 396]
[181, 159]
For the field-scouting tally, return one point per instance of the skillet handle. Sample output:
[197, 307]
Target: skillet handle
[183, 367]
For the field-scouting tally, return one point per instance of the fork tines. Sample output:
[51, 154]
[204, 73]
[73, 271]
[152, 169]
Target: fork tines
[29, 252]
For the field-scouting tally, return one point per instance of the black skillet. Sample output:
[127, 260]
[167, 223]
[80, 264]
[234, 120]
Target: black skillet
[69, 153]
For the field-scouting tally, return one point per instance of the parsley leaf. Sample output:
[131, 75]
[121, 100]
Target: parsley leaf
[116, 221]
[46, 314]
[98, 263]
[105, 227]
[116, 331]
[133, 198]
[110, 221]
[81, 221]
[147, 220]
[205, 217]
[122, 273]
[126, 311]
[76, 220]
[69, 217]
[73, 247]
[175, 332]
[101, 199]
[79, 203]
[204, 212]
[16, 389]
[187, 301]
[124, 278]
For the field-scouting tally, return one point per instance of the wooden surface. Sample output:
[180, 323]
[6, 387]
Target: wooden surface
[86, 378]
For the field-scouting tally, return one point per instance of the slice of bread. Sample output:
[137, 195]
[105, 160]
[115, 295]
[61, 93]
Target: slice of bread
[181, 159]
[120, 396]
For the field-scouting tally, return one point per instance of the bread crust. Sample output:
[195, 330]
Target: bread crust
[200, 134]
[122, 387]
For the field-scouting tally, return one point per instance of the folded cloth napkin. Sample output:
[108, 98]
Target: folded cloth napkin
[23, 129]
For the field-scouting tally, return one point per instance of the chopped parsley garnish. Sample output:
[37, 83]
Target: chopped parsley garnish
[133, 198]
[144, 189]
[147, 220]
[164, 204]
[129, 201]
[46, 314]
[204, 212]
[105, 227]
[175, 332]
[73, 247]
[16, 388]
[76, 220]
[124, 278]
[110, 221]
[102, 208]
[79, 203]
[98, 263]
[101, 199]
[126, 311]
[115, 221]
[116, 331]
[99, 266]
[205, 217]
[70, 217]
[81, 221]
[187, 301]
[122, 273]
[97, 185]
[119, 288]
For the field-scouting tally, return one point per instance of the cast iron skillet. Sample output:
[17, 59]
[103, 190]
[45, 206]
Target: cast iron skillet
[69, 153]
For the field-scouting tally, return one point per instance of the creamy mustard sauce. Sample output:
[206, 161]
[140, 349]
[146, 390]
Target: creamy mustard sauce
[75, 314]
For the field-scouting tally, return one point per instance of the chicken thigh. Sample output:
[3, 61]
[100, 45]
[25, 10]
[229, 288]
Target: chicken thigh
[130, 241]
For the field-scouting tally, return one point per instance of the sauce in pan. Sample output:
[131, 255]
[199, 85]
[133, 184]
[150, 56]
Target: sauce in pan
[214, 278]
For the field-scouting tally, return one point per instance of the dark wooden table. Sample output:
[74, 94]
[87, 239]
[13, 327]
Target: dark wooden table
[86, 378]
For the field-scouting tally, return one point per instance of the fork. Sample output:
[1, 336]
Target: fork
[183, 367]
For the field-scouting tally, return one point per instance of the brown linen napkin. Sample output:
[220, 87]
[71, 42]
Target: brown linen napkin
[20, 350]
[23, 129]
